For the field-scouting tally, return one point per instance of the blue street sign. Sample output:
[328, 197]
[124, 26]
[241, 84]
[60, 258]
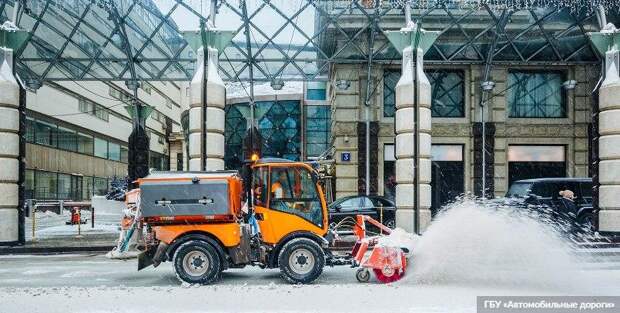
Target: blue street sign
[345, 156]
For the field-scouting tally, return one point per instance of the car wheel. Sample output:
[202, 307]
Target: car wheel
[301, 260]
[586, 222]
[197, 262]
[391, 224]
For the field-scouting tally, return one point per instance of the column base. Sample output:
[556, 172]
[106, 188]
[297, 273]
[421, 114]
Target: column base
[9, 226]
[609, 221]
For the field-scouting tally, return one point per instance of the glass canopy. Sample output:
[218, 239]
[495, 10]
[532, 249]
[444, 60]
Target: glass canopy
[282, 39]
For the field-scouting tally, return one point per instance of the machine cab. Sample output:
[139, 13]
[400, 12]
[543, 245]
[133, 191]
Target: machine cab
[287, 198]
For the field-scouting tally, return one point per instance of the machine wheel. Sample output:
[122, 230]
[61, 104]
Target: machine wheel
[362, 275]
[396, 275]
[301, 260]
[197, 262]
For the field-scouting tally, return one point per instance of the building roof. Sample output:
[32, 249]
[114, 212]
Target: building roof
[291, 40]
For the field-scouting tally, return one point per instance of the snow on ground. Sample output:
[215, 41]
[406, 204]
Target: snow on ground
[92, 283]
[468, 251]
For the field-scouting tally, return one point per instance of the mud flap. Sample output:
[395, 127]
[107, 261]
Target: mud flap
[145, 259]
[152, 257]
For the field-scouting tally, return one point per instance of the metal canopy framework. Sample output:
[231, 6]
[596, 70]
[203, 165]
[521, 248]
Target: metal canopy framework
[279, 39]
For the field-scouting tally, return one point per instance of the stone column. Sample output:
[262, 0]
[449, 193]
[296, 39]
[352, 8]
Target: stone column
[9, 151]
[215, 117]
[405, 142]
[609, 146]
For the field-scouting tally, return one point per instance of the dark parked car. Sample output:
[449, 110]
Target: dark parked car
[377, 207]
[546, 192]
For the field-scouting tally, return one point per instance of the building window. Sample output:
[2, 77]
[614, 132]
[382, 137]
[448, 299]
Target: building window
[85, 143]
[30, 125]
[101, 148]
[100, 186]
[124, 154]
[45, 134]
[67, 139]
[316, 91]
[389, 172]
[448, 92]
[535, 94]
[390, 79]
[94, 109]
[316, 94]
[120, 95]
[29, 185]
[46, 185]
[148, 88]
[317, 129]
[159, 161]
[114, 151]
[447, 174]
[536, 161]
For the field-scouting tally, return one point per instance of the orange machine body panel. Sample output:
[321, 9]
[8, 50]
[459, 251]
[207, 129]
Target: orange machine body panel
[227, 233]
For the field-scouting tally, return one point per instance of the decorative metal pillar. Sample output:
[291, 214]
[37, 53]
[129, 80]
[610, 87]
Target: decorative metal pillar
[607, 42]
[11, 140]
[207, 100]
[413, 129]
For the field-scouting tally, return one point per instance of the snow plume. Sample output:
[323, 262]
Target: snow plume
[489, 244]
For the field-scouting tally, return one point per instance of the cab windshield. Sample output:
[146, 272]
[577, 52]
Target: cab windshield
[294, 191]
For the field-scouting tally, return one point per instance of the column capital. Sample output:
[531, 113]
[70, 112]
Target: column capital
[208, 36]
[12, 37]
[412, 36]
[607, 43]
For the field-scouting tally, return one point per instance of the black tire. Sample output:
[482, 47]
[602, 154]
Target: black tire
[391, 223]
[301, 260]
[586, 222]
[189, 263]
[362, 275]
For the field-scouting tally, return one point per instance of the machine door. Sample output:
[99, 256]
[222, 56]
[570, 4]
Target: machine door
[295, 204]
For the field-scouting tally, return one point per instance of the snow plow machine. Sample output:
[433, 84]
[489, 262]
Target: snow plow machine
[271, 214]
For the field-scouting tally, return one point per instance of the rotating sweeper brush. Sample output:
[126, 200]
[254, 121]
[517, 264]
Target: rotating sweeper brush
[387, 258]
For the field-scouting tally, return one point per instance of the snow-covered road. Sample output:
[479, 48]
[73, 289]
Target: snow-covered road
[92, 283]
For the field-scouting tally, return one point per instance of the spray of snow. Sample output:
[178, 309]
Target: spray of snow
[482, 244]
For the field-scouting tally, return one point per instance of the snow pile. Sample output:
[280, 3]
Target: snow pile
[475, 243]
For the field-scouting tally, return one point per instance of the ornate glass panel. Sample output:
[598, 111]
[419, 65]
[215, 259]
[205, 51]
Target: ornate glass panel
[448, 92]
[535, 94]
[279, 123]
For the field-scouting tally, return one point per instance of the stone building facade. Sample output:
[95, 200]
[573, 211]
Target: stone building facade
[509, 136]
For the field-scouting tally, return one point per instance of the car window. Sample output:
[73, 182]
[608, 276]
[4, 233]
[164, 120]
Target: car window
[519, 190]
[356, 203]
[586, 189]
[543, 189]
[380, 202]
